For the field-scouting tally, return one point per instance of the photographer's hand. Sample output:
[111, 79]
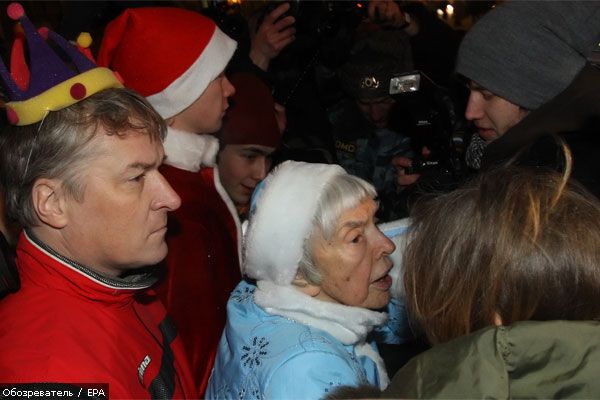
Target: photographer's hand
[388, 13]
[402, 178]
[272, 36]
[402, 164]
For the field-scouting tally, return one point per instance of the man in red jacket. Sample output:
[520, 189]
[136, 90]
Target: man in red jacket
[190, 91]
[83, 181]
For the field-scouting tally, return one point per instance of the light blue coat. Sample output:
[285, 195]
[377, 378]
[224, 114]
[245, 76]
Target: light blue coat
[262, 355]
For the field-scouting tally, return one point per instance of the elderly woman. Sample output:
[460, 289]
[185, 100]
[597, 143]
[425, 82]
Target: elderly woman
[322, 268]
[503, 276]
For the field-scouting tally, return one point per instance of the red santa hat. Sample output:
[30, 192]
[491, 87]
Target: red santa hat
[251, 117]
[169, 55]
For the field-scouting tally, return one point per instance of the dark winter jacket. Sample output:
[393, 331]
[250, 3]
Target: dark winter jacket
[554, 359]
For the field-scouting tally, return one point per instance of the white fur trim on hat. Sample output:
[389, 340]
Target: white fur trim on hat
[282, 219]
[188, 87]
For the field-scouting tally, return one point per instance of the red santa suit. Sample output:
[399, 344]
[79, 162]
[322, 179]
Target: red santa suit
[68, 324]
[202, 266]
[204, 234]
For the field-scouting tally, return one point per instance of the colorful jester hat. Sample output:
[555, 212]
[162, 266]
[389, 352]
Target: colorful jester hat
[48, 83]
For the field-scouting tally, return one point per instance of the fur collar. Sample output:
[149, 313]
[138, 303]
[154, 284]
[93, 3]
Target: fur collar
[349, 325]
[190, 151]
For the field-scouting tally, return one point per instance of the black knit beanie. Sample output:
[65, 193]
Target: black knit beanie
[373, 61]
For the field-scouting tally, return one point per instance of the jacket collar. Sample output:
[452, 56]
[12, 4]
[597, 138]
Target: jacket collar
[190, 151]
[38, 262]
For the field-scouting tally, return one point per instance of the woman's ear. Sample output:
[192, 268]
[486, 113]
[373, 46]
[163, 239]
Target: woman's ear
[48, 202]
[305, 287]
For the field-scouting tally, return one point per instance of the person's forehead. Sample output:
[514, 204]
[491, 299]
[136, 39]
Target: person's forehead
[360, 213]
[255, 148]
[476, 86]
[136, 143]
[218, 77]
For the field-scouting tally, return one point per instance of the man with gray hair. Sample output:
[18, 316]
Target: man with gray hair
[517, 59]
[79, 171]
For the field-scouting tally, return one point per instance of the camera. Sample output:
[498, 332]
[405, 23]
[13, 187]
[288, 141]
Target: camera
[433, 123]
[427, 113]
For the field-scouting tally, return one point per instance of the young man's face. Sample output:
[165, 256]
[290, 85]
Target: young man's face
[241, 168]
[376, 111]
[492, 115]
[121, 222]
[205, 115]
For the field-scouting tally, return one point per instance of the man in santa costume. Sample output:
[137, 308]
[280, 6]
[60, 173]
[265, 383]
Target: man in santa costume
[176, 59]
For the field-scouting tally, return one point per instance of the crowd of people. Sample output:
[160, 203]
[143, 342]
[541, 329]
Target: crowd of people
[180, 221]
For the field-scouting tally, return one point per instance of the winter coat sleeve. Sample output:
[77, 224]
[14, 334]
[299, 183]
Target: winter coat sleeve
[310, 375]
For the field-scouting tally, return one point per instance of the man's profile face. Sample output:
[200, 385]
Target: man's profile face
[376, 111]
[492, 115]
[241, 168]
[205, 115]
[121, 222]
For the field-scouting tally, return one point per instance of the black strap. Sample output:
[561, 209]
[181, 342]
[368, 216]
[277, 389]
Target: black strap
[9, 277]
[163, 386]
